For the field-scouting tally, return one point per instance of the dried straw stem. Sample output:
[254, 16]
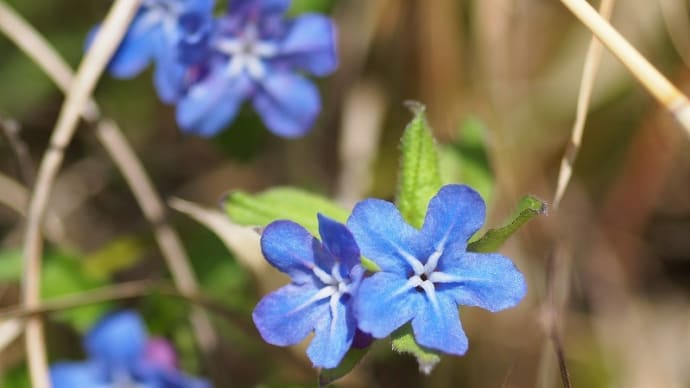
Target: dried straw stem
[660, 87]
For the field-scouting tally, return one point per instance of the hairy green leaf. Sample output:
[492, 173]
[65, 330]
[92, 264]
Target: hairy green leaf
[281, 203]
[528, 208]
[404, 342]
[420, 176]
[420, 180]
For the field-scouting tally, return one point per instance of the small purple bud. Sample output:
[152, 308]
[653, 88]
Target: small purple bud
[160, 353]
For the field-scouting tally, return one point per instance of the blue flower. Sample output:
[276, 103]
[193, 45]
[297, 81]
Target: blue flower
[121, 355]
[426, 274]
[254, 53]
[325, 278]
[154, 35]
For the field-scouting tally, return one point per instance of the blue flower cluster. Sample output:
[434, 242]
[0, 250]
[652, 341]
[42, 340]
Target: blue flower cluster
[209, 66]
[121, 355]
[425, 275]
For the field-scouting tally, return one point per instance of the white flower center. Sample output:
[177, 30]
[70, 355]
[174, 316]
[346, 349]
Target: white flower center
[425, 276]
[247, 52]
[334, 288]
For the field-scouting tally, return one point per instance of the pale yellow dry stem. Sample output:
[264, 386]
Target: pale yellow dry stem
[106, 42]
[592, 62]
[660, 87]
[554, 304]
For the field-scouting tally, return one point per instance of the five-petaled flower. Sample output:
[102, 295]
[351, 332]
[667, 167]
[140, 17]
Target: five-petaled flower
[254, 53]
[120, 355]
[427, 273]
[325, 277]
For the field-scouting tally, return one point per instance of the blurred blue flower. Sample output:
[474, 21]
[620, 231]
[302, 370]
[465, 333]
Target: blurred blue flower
[254, 53]
[325, 278]
[121, 355]
[426, 274]
[154, 35]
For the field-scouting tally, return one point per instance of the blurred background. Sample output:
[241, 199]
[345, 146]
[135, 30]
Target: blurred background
[500, 80]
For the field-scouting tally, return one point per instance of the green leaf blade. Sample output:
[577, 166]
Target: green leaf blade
[419, 181]
[528, 208]
[281, 203]
[420, 173]
[404, 342]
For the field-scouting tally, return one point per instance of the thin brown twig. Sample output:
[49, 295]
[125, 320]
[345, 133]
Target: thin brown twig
[589, 73]
[591, 67]
[552, 323]
[105, 43]
[114, 142]
[121, 291]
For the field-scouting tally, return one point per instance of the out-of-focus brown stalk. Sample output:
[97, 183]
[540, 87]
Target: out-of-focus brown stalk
[591, 67]
[106, 42]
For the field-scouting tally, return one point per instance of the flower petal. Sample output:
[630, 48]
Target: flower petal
[104, 342]
[490, 281]
[455, 213]
[383, 236]
[384, 303]
[212, 104]
[440, 328]
[255, 7]
[339, 241]
[288, 315]
[170, 378]
[289, 247]
[199, 6]
[195, 31]
[169, 78]
[332, 337]
[138, 47]
[74, 374]
[310, 44]
[287, 103]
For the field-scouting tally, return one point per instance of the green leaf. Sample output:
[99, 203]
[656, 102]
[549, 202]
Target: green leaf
[528, 208]
[420, 176]
[349, 362]
[466, 160]
[420, 179]
[10, 265]
[404, 342]
[116, 255]
[65, 275]
[281, 203]
[369, 265]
